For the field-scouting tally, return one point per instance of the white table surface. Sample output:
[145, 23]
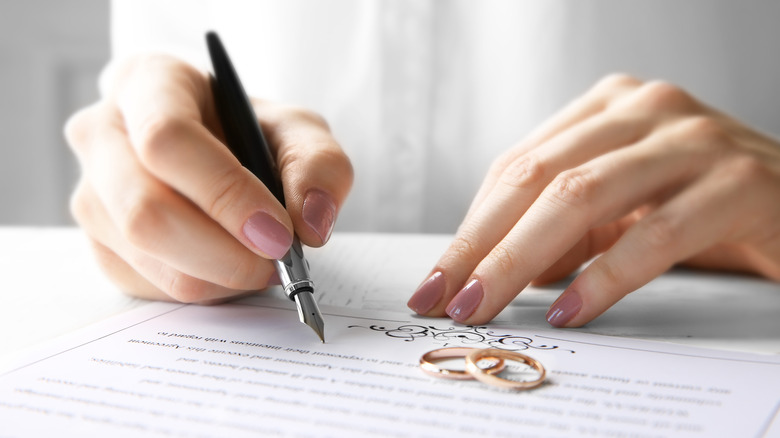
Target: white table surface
[53, 286]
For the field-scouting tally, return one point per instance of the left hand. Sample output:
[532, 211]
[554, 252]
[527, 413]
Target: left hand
[639, 172]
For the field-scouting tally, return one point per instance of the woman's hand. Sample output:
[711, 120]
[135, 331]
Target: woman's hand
[639, 172]
[170, 211]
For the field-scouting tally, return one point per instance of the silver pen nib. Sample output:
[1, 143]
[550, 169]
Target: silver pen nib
[309, 313]
[293, 271]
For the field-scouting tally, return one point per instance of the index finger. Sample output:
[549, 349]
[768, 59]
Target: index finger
[166, 105]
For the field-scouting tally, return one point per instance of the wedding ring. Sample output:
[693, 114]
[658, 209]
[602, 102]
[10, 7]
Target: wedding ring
[475, 356]
[428, 363]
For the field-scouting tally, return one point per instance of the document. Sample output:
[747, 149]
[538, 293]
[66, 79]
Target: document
[250, 368]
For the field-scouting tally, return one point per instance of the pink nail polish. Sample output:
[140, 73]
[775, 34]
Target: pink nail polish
[319, 213]
[428, 294]
[267, 234]
[466, 301]
[563, 310]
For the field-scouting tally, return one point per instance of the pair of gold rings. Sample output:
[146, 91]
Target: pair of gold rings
[496, 362]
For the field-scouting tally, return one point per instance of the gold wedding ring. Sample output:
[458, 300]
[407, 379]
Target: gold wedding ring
[496, 359]
[428, 363]
[475, 356]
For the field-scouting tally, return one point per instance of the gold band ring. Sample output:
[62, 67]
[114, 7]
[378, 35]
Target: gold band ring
[493, 353]
[429, 359]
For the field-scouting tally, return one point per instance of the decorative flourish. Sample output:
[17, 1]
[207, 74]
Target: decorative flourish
[469, 335]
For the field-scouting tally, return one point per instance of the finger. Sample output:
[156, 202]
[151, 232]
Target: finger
[515, 190]
[689, 223]
[133, 271]
[162, 105]
[724, 257]
[593, 243]
[127, 279]
[315, 171]
[592, 195]
[592, 102]
[158, 221]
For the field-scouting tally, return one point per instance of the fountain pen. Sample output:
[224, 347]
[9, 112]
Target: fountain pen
[245, 139]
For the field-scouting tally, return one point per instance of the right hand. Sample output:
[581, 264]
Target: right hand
[171, 213]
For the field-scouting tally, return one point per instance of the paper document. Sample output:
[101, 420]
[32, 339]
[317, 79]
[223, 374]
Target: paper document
[252, 369]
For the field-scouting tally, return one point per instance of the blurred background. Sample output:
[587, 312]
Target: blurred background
[51, 53]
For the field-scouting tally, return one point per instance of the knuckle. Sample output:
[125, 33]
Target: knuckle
[155, 138]
[107, 262]
[610, 273]
[747, 169]
[281, 115]
[663, 96]
[572, 188]
[81, 204]
[299, 113]
[226, 189]
[326, 154]
[500, 163]
[77, 129]
[122, 78]
[143, 220]
[346, 170]
[704, 129]
[505, 260]
[332, 165]
[112, 265]
[184, 288]
[463, 247]
[609, 88]
[140, 64]
[526, 170]
[658, 232]
[336, 163]
[150, 60]
[617, 80]
[141, 61]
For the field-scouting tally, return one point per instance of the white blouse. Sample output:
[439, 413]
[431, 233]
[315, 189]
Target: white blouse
[424, 94]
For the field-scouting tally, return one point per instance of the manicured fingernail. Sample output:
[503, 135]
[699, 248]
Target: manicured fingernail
[466, 301]
[563, 310]
[319, 213]
[428, 294]
[267, 234]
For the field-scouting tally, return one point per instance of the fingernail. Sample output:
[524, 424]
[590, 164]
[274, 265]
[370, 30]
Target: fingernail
[267, 234]
[319, 213]
[428, 294]
[563, 310]
[466, 301]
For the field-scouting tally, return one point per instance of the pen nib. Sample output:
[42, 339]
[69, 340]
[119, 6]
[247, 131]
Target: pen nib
[309, 313]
